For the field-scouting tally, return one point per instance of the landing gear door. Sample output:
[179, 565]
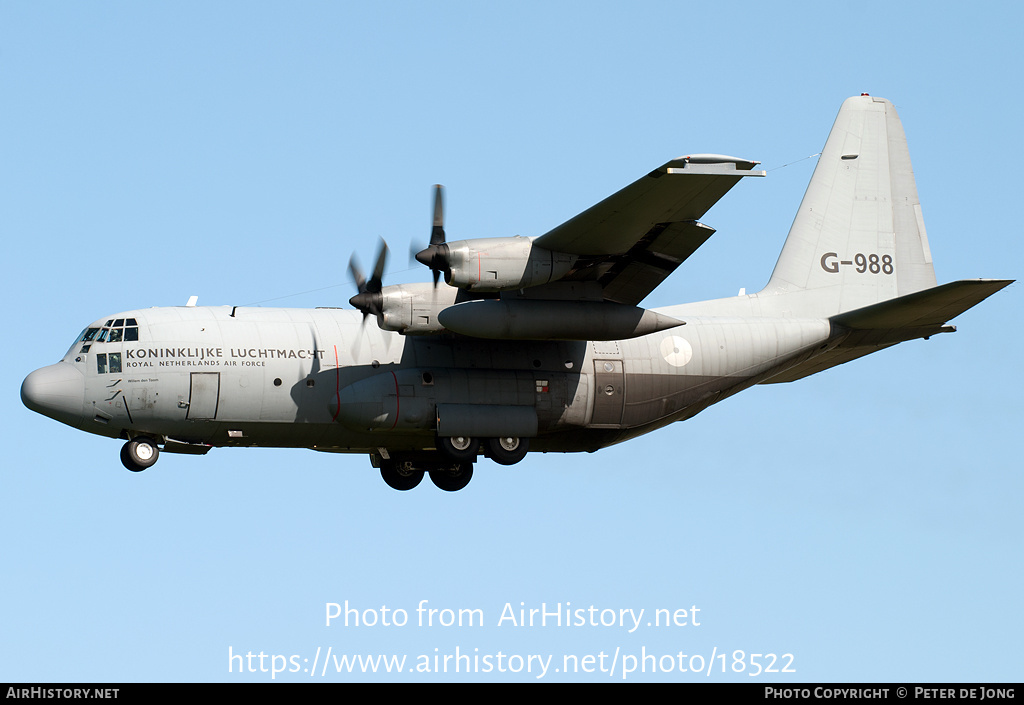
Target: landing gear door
[203, 396]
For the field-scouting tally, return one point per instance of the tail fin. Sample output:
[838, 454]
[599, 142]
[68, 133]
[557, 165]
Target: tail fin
[858, 238]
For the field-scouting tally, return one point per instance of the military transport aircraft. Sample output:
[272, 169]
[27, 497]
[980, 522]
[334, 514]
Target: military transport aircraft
[533, 343]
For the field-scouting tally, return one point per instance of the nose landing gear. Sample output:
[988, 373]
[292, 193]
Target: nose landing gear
[139, 453]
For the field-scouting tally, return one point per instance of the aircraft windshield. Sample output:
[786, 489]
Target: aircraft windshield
[81, 336]
[115, 330]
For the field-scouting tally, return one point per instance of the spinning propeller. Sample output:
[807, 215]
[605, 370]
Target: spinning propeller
[369, 299]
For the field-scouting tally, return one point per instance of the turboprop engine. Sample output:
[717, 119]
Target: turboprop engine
[412, 309]
[495, 264]
[491, 283]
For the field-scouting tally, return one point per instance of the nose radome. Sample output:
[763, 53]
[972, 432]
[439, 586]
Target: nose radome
[57, 391]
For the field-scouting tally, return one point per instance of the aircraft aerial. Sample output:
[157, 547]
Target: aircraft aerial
[531, 344]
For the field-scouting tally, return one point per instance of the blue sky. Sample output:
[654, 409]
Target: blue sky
[865, 520]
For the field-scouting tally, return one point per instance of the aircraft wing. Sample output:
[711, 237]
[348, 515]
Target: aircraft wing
[632, 240]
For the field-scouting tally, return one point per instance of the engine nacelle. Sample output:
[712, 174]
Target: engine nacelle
[412, 309]
[499, 264]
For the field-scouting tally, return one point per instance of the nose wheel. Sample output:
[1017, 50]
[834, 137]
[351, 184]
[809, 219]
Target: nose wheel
[139, 453]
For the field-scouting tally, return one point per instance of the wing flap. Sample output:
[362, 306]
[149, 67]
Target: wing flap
[630, 277]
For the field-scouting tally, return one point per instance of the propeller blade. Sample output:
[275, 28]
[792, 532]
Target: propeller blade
[437, 232]
[414, 247]
[378, 271]
[357, 343]
[435, 255]
[357, 274]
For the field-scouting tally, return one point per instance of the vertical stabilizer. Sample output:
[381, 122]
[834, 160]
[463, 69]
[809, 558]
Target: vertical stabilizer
[859, 236]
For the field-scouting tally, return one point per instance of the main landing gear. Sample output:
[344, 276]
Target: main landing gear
[451, 468]
[139, 453]
[406, 474]
[507, 450]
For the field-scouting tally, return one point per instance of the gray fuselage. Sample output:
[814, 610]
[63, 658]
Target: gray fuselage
[320, 378]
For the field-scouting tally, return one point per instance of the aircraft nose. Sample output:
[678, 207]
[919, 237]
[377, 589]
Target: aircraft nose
[57, 391]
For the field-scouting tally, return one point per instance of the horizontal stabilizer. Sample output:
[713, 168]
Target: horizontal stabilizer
[921, 309]
[878, 326]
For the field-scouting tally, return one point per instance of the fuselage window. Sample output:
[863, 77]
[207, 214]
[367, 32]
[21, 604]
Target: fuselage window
[101, 363]
[115, 363]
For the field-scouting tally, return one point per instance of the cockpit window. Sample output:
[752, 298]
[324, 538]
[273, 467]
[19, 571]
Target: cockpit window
[86, 338]
[113, 331]
[124, 329]
[108, 363]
